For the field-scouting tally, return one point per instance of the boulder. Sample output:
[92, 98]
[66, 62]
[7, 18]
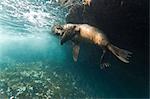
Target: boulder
[125, 21]
[67, 3]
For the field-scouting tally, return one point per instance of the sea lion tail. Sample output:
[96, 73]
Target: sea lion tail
[121, 54]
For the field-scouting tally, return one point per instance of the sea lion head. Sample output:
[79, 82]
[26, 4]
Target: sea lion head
[58, 30]
[68, 34]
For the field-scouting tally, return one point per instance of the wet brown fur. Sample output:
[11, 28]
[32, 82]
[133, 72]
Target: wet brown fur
[85, 32]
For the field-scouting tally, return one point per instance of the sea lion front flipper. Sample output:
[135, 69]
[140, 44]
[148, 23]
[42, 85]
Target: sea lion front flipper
[76, 49]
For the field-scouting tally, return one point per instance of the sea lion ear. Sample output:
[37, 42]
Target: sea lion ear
[76, 28]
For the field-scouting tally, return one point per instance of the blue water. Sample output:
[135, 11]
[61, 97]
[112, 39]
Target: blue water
[27, 43]
[24, 33]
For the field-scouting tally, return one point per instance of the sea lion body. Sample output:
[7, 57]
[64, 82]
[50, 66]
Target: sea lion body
[88, 33]
[84, 32]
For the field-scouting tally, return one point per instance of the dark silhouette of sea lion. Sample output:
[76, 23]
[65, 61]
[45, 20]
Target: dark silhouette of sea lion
[84, 32]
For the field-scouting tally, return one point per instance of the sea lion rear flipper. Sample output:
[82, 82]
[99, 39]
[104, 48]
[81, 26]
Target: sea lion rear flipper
[76, 49]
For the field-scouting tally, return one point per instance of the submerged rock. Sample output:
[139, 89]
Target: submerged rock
[67, 3]
[46, 84]
[79, 13]
[119, 19]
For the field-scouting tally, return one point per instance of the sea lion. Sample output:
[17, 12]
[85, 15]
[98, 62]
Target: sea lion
[84, 32]
[87, 2]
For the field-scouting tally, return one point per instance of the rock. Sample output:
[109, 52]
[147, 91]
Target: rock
[57, 87]
[38, 81]
[119, 19]
[30, 87]
[75, 14]
[46, 84]
[79, 13]
[20, 91]
[12, 97]
[25, 73]
[67, 3]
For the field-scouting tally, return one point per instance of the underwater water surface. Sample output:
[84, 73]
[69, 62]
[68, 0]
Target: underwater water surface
[33, 64]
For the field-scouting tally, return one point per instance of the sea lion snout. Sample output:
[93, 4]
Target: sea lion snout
[58, 30]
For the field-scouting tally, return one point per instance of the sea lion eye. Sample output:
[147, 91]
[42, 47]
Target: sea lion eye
[59, 28]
